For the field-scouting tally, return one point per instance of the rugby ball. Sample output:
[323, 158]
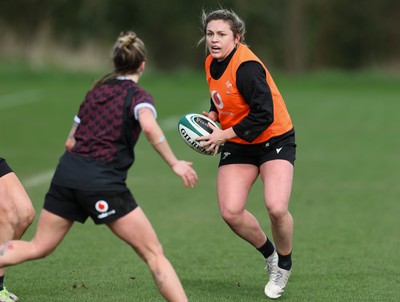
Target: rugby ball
[192, 126]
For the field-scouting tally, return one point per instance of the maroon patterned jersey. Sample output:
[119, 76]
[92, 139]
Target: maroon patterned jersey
[105, 137]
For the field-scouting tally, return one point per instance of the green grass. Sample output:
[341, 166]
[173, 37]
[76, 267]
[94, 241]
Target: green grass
[345, 199]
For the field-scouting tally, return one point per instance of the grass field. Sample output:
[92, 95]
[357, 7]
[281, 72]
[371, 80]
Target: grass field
[345, 199]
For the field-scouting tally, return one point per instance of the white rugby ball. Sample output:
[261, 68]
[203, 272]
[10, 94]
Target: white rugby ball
[192, 126]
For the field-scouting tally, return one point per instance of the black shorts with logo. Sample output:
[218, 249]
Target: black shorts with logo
[4, 167]
[78, 205]
[282, 147]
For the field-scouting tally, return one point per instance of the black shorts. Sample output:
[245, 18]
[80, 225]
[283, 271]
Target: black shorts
[78, 205]
[4, 167]
[259, 153]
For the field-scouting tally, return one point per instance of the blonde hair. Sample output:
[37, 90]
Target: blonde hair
[128, 53]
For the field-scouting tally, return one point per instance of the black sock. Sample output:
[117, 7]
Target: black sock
[1, 282]
[285, 262]
[267, 249]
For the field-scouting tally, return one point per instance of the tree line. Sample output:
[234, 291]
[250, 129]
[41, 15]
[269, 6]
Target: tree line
[294, 35]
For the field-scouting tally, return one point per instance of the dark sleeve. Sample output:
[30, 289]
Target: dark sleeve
[212, 106]
[252, 85]
[141, 98]
[4, 167]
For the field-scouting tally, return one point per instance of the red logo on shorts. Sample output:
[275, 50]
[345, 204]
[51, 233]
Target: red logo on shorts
[101, 206]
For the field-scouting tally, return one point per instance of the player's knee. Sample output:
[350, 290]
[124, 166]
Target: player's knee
[26, 217]
[277, 213]
[150, 252]
[230, 216]
[157, 251]
[9, 217]
[154, 257]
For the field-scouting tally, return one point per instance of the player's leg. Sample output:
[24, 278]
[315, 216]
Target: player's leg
[8, 212]
[50, 231]
[8, 223]
[233, 187]
[16, 214]
[19, 210]
[277, 176]
[135, 229]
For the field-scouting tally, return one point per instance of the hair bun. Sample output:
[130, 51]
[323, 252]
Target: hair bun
[128, 53]
[126, 39]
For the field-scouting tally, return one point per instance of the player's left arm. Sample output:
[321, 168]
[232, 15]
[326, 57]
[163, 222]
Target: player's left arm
[70, 142]
[252, 85]
[155, 136]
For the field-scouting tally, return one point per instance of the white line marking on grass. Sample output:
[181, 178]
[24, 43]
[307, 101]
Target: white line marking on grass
[19, 98]
[38, 179]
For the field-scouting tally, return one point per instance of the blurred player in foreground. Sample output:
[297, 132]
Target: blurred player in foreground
[16, 215]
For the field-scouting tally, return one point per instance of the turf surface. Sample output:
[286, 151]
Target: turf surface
[345, 199]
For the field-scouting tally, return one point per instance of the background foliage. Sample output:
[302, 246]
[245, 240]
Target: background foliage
[294, 35]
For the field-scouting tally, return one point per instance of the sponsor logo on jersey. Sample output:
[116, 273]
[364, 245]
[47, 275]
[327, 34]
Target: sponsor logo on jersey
[216, 97]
